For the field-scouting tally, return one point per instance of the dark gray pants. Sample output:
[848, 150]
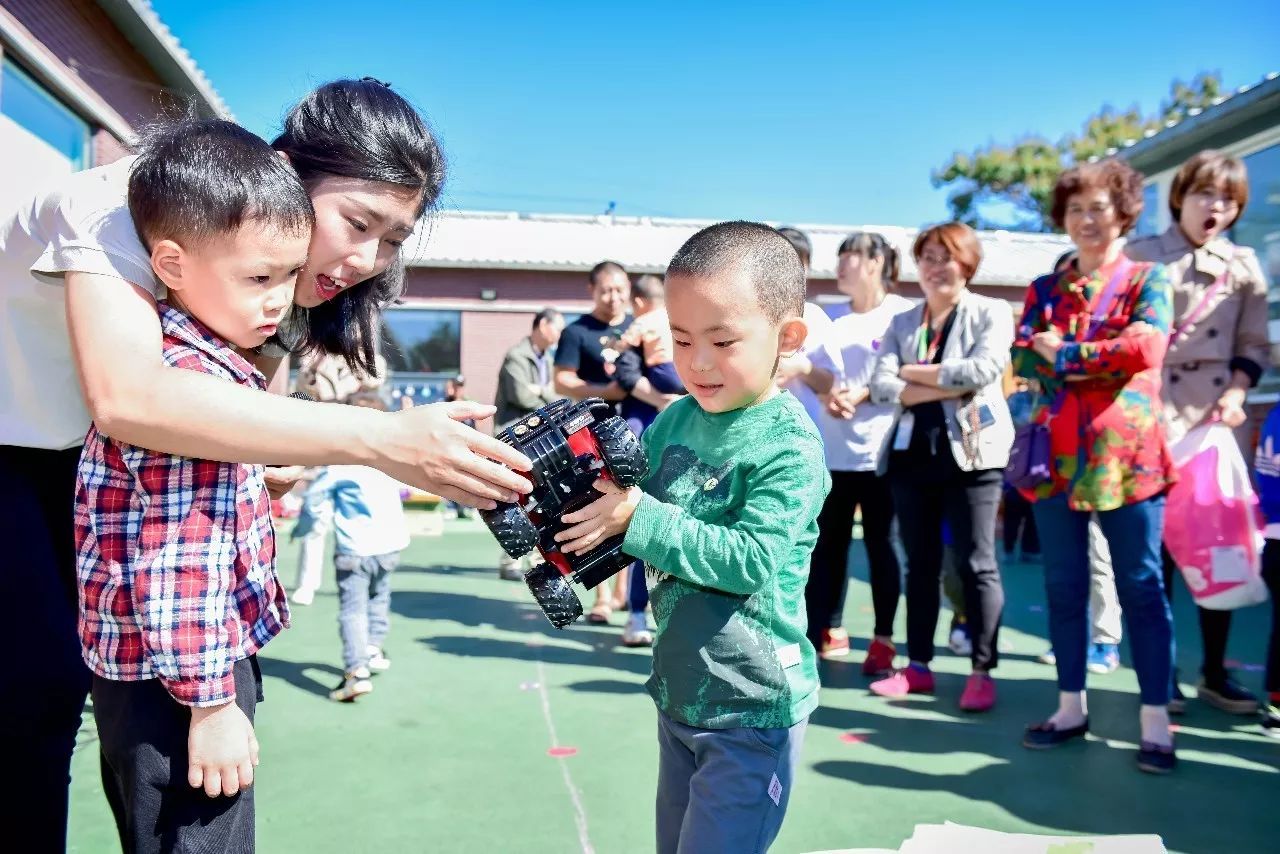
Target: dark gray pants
[143, 736]
[723, 789]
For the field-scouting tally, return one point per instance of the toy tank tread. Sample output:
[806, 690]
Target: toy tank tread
[554, 595]
[624, 458]
[512, 528]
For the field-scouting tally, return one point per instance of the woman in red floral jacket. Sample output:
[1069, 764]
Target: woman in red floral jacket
[1094, 336]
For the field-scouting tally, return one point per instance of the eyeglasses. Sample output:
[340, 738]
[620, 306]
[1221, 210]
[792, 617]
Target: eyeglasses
[1097, 211]
[933, 260]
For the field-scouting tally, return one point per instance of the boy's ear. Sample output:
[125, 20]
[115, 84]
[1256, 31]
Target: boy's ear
[791, 336]
[168, 260]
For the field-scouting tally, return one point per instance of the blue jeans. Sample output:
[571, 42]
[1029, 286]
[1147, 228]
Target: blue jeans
[723, 789]
[364, 604]
[1134, 533]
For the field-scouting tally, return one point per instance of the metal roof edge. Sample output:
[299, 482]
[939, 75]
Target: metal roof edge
[143, 28]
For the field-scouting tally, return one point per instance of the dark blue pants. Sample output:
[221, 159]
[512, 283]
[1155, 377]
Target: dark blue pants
[1133, 533]
[38, 587]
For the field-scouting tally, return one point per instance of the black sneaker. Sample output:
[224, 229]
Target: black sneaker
[1229, 695]
[1271, 721]
[1156, 758]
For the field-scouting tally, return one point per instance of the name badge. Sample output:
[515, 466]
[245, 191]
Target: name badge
[789, 655]
[906, 425]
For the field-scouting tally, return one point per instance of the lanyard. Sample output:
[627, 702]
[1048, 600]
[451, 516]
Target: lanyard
[927, 343]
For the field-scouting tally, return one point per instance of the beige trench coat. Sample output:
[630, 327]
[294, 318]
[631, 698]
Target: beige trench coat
[1231, 329]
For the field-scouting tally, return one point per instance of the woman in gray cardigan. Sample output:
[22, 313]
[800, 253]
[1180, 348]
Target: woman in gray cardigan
[941, 366]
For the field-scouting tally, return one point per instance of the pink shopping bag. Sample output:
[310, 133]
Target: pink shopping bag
[1212, 525]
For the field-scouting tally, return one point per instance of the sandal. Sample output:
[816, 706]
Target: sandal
[600, 615]
[1156, 758]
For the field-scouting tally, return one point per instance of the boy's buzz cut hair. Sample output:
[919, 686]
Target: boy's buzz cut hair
[760, 251]
[199, 179]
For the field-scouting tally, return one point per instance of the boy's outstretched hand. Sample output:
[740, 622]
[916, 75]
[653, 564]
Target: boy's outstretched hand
[605, 517]
[221, 750]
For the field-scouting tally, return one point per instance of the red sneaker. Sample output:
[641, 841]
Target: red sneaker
[879, 660]
[908, 680]
[835, 643]
[979, 693]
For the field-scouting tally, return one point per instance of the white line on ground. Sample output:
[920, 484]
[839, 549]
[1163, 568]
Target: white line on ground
[579, 812]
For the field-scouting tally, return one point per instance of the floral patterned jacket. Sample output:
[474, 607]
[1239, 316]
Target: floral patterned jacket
[1107, 446]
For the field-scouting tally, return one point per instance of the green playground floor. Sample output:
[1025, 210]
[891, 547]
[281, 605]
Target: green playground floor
[450, 751]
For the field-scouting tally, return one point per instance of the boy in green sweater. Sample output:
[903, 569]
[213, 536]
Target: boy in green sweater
[725, 523]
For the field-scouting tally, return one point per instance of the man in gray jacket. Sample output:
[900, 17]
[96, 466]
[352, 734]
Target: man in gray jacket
[525, 380]
[525, 383]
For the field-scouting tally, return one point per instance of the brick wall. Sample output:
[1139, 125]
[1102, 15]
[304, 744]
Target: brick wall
[78, 32]
[486, 337]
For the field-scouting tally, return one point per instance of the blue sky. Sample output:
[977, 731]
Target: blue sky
[803, 112]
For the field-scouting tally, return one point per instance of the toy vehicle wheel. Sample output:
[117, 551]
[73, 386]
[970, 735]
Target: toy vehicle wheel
[511, 527]
[624, 459]
[554, 595]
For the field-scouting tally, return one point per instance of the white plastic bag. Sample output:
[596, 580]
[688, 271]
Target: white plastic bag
[1212, 525]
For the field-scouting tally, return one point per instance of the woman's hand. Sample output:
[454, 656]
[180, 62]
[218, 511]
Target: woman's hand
[841, 402]
[282, 479]
[1230, 408]
[1047, 344]
[429, 447]
[603, 518]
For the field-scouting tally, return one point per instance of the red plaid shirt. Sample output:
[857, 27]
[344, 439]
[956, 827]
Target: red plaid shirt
[176, 556]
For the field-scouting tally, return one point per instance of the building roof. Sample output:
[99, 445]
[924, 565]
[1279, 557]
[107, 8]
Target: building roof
[1259, 102]
[576, 243]
[140, 24]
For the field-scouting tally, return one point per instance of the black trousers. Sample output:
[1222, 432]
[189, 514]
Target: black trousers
[143, 734]
[829, 570]
[968, 501]
[1215, 626]
[1019, 522]
[38, 588]
[1271, 573]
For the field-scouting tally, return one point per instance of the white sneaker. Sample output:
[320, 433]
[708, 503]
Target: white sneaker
[303, 596]
[353, 685]
[637, 631]
[378, 661]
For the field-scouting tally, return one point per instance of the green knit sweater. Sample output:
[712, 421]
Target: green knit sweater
[726, 527]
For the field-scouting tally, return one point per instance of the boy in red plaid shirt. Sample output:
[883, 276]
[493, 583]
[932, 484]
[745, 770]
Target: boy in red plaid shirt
[176, 556]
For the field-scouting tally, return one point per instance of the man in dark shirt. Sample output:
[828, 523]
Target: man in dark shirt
[584, 362]
[584, 357]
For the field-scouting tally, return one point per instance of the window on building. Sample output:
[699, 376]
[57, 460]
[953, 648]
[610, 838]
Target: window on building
[1259, 225]
[423, 348]
[1149, 222]
[34, 108]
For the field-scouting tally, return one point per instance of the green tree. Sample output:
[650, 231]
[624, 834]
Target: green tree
[1012, 185]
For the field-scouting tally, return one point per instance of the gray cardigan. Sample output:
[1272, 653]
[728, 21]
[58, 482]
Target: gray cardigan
[974, 358]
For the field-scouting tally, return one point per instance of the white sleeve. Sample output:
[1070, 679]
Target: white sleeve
[87, 229]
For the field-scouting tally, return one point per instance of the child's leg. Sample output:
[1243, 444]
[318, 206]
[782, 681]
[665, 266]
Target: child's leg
[380, 569]
[675, 770]
[353, 611]
[1271, 572]
[738, 795]
[311, 552]
[143, 735]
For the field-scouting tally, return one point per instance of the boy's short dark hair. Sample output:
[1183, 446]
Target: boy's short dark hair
[799, 240]
[765, 255]
[198, 179]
